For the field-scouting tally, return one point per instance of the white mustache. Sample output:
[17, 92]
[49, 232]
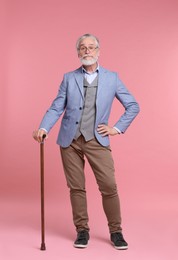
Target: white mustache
[86, 55]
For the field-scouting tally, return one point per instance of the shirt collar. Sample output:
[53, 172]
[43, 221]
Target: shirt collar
[96, 70]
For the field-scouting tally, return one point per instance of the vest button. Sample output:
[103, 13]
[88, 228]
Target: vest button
[80, 108]
[76, 123]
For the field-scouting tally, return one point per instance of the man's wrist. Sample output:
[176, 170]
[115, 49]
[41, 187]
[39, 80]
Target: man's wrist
[43, 129]
[118, 130]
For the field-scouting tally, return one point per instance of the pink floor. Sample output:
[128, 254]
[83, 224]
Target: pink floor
[150, 229]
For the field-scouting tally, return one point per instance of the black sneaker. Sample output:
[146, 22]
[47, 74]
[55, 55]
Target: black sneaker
[118, 241]
[82, 239]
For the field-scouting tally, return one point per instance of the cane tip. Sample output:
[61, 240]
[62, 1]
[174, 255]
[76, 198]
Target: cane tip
[43, 247]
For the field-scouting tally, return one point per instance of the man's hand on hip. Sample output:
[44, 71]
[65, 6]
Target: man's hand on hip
[105, 130]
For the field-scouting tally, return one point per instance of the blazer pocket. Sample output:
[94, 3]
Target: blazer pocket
[66, 117]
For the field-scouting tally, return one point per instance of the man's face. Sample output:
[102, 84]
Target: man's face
[88, 52]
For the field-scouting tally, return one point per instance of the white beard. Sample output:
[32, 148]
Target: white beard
[88, 62]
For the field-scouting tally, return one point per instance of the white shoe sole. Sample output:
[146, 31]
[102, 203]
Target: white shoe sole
[80, 246]
[120, 247]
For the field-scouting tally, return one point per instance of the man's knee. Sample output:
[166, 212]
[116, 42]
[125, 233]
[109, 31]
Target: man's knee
[108, 189]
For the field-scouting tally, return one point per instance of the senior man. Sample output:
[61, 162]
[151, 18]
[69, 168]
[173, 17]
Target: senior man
[86, 96]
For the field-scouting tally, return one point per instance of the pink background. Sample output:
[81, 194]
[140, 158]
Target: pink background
[139, 40]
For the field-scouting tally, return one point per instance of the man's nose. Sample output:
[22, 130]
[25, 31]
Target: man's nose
[87, 50]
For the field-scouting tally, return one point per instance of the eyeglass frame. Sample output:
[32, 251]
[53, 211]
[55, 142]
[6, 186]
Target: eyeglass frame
[87, 48]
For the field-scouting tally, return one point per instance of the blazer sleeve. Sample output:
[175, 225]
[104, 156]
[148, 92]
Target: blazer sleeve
[56, 109]
[129, 103]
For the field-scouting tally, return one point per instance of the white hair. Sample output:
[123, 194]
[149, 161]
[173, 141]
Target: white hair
[86, 36]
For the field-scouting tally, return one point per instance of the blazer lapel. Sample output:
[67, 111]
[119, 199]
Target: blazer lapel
[79, 79]
[101, 79]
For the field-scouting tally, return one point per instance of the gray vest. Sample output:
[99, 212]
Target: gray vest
[87, 121]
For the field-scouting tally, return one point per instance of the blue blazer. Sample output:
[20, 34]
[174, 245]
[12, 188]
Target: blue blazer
[70, 100]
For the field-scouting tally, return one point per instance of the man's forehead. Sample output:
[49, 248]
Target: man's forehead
[88, 40]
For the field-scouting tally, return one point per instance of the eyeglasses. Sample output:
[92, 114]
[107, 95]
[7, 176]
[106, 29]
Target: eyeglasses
[90, 48]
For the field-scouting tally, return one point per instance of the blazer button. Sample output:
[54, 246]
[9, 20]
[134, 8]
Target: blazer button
[76, 123]
[80, 108]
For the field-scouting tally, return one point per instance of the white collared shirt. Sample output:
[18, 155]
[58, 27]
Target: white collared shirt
[90, 76]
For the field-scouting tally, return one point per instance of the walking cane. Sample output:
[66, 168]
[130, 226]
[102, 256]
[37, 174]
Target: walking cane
[43, 246]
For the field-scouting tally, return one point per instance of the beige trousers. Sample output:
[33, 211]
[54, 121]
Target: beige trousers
[101, 162]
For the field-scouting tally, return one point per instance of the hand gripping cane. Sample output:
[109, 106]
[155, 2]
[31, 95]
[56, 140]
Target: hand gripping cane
[43, 246]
